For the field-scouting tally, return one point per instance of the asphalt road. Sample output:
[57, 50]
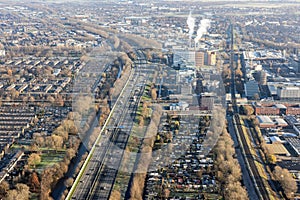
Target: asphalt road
[99, 176]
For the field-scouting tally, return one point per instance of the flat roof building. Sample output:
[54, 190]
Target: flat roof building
[295, 144]
[265, 122]
[289, 93]
[277, 149]
[280, 122]
[251, 89]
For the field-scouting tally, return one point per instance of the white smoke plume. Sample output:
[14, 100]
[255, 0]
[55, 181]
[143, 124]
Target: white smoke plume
[191, 24]
[203, 26]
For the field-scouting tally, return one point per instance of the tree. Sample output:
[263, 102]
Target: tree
[57, 141]
[46, 180]
[166, 193]
[34, 159]
[144, 113]
[59, 100]
[272, 159]
[12, 195]
[51, 99]
[248, 110]
[34, 182]
[256, 96]
[228, 168]
[255, 121]
[115, 195]
[62, 132]
[69, 182]
[4, 187]
[238, 73]
[33, 147]
[70, 153]
[40, 141]
[21, 192]
[141, 121]
[24, 99]
[235, 191]
[14, 93]
[9, 72]
[199, 173]
[286, 180]
[116, 41]
[153, 94]
[31, 99]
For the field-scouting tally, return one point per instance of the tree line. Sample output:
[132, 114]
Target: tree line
[136, 187]
[228, 171]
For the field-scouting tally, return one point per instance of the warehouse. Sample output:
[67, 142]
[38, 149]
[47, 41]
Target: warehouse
[265, 122]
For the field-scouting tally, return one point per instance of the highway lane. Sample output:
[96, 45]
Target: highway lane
[98, 178]
[98, 159]
[107, 173]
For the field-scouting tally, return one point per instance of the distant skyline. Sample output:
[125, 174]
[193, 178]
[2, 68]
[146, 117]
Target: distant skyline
[6, 1]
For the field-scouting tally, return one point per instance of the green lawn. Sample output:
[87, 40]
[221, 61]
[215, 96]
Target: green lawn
[49, 159]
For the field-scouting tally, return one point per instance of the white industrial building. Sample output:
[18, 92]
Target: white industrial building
[288, 92]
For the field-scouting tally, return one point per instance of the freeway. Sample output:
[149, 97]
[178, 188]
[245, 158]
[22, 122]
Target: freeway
[120, 133]
[99, 175]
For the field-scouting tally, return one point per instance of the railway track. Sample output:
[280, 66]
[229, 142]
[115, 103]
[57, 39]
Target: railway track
[257, 180]
[262, 191]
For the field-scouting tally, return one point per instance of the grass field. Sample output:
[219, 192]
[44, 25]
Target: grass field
[49, 159]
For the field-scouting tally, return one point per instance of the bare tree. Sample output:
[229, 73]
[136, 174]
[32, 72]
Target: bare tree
[286, 180]
[69, 182]
[248, 110]
[34, 159]
[4, 188]
[115, 195]
[228, 170]
[34, 182]
[153, 94]
[21, 192]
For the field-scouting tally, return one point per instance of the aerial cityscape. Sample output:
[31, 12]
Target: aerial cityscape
[131, 99]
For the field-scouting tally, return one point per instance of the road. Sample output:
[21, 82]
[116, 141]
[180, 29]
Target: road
[120, 133]
[99, 176]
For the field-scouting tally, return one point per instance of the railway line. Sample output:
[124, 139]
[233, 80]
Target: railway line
[258, 181]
